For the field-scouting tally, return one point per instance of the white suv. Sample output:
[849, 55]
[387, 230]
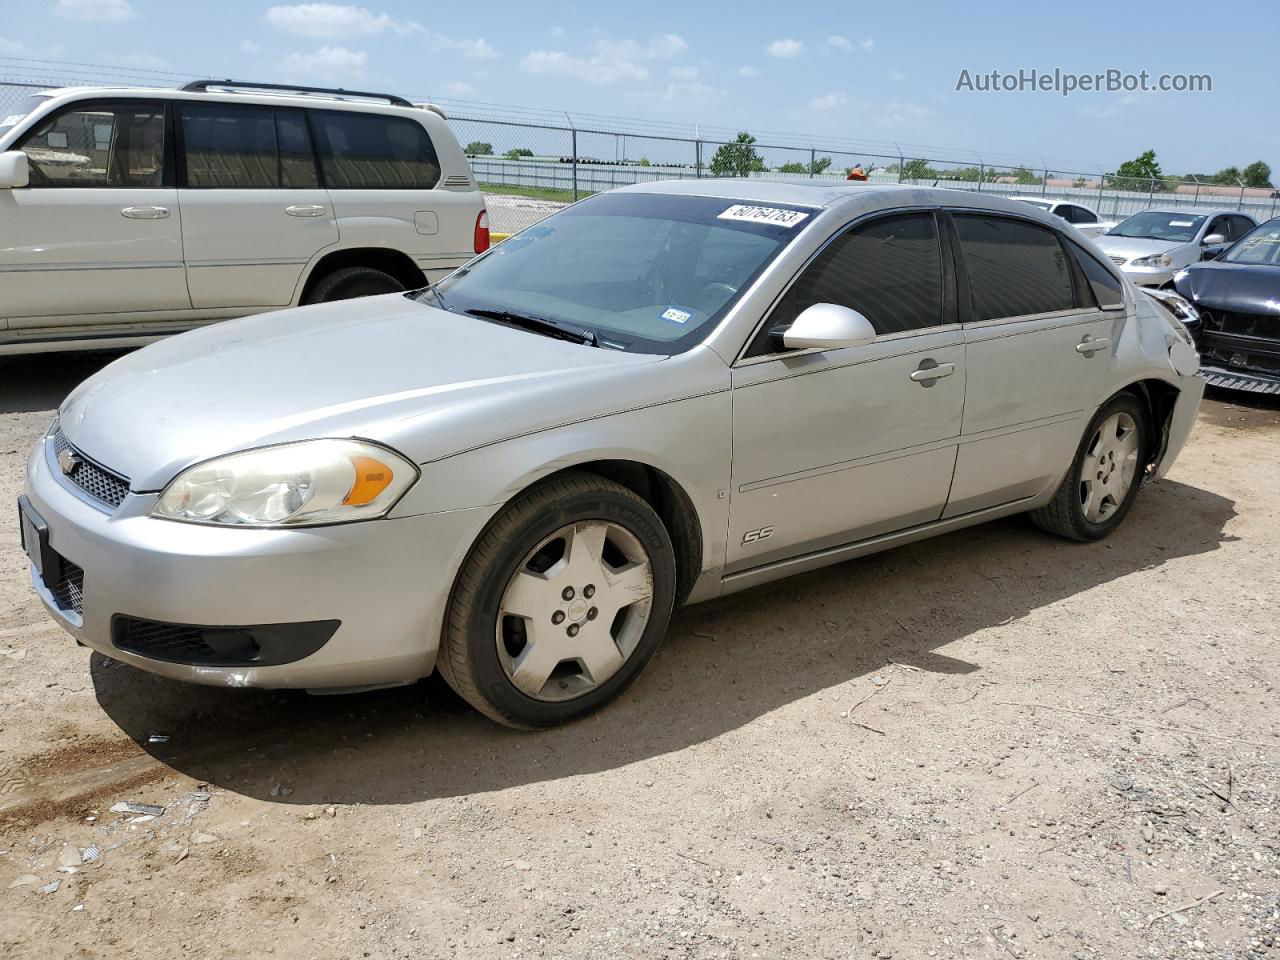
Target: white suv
[130, 214]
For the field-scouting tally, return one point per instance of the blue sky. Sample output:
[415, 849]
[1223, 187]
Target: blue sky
[875, 71]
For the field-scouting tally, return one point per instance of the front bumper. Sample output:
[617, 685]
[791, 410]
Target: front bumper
[1181, 421]
[1231, 379]
[1150, 276]
[386, 582]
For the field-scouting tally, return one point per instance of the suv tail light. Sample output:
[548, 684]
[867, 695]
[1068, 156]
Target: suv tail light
[482, 231]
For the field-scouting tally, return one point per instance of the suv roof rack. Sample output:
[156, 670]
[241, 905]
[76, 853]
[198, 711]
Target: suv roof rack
[200, 86]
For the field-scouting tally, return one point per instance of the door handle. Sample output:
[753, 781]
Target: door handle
[926, 375]
[1089, 346]
[145, 213]
[305, 210]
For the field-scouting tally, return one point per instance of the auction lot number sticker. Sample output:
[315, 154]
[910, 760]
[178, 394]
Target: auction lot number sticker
[774, 215]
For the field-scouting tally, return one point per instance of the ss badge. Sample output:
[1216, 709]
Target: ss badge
[755, 536]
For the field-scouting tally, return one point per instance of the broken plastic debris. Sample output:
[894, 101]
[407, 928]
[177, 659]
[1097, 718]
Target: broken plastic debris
[51, 887]
[26, 880]
[91, 853]
[70, 856]
[158, 738]
[128, 806]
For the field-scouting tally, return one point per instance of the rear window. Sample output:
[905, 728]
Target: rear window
[369, 151]
[1107, 290]
[1015, 268]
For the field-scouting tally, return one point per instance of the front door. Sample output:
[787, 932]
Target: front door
[97, 231]
[253, 211]
[834, 447]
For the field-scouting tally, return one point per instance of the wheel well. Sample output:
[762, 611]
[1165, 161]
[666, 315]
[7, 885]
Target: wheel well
[1159, 399]
[393, 262]
[670, 502]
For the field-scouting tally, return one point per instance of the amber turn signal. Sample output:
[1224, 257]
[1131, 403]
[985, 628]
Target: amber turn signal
[372, 477]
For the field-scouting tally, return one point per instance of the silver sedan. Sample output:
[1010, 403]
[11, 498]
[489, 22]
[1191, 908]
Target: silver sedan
[657, 396]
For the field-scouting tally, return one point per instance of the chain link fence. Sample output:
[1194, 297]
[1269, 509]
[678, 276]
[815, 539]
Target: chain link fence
[531, 168]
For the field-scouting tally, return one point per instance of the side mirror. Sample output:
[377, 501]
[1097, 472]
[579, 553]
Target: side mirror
[1212, 240]
[827, 326]
[14, 170]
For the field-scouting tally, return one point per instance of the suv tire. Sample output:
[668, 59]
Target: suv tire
[348, 283]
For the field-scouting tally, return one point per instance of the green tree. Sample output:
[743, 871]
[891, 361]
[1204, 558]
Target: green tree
[1142, 168]
[1228, 176]
[478, 148]
[918, 170]
[1023, 175]
[819, 165]
[794, 167]
[737, 159]
[1257, 174]
[644, 162]
[517, 152]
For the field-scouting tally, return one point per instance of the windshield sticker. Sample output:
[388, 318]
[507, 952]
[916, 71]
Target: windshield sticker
[1181, 223]
[10, 120]
[774, 215]
[676, 315]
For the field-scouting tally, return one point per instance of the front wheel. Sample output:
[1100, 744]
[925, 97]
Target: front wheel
[560, 604]
[1105, 475]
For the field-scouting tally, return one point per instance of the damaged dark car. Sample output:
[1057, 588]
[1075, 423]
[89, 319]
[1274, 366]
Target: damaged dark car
[1237, 299]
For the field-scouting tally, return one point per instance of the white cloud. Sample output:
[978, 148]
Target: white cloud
[827, 101]
[557, 33]
[144, 61]
[12, 47]
[612, 61]
[457, 88]
[785, 49]
[334, 20]
[327, 63]
[897, 76]
[900, 114]
[597, 69]
[476, 49]
[249, 46]
[110, 10]
[695, 94]
[837, 42]
[683, 73]
[747, 71]
[867, 44]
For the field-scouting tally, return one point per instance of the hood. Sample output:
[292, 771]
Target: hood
[384, 368]
[1130, 247]
[1236, 287]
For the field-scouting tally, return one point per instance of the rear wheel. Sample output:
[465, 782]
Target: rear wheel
[1105, 475]
[560, 604]
[348, 283]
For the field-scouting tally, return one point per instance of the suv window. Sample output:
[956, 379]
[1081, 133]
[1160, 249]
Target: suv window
[1081, 215]
[1015, 268]
[229, 146]
[372, 151]
[99, 145]
[1107, 290]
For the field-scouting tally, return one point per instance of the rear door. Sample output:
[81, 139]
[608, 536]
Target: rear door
[838, 446]
[383, 173]
[96, 234]
[253, 211]
[1038, 351]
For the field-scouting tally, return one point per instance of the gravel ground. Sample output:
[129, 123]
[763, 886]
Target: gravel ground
[509, 214]
[993, 744]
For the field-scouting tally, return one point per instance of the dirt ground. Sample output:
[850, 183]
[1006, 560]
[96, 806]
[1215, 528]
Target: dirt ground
[993, 744]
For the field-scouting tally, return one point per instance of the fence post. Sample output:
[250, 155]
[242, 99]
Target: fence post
[813, 159]
[1240, 204]
[574, 138]
[981, 169]
[1151, 193]
[697, 152]
[1044, 183]
[1196, 202]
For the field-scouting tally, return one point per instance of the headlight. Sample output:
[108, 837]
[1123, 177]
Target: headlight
[1155, 260]
[293, 484]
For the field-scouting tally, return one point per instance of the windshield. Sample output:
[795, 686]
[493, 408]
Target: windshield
[10, 118]
[1157, 225]
[1260, 245]
[648, 273]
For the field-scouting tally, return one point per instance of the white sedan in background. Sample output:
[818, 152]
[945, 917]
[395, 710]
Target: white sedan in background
[1076, 214]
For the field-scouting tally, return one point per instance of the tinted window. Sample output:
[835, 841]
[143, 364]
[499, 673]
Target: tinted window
[99, 146]
[1014, 268]
[373, 151]
[230, 147]
[1218, 225]
[1081, 215]
[297, 159]
[889, 270]
[1239, 226]
[1107, 290]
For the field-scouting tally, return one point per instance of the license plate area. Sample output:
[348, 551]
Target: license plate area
[35, 542]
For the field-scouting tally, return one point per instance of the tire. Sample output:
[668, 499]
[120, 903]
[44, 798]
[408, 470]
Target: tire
[1074, 512]
[348, 283]
[486, 650]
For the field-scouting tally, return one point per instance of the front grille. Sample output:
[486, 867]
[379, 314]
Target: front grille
[68, 592]
[1119, 261]
[1240, 341]
[98, 482]
[165, 641]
